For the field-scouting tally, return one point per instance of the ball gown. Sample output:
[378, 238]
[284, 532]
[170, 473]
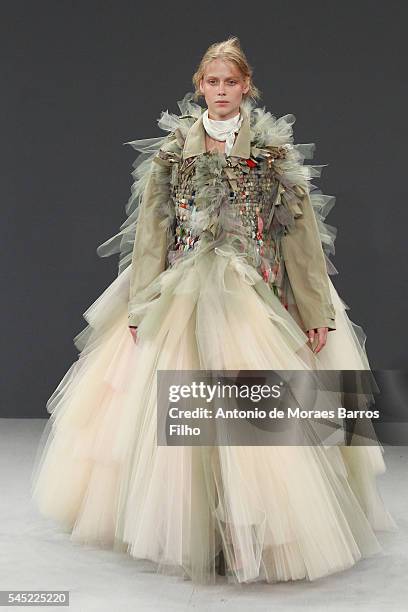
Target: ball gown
[270, 513]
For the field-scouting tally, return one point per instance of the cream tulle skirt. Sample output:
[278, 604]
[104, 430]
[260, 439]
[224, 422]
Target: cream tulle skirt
[277, 512]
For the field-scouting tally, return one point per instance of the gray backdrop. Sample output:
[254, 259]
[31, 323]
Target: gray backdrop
[81, 78]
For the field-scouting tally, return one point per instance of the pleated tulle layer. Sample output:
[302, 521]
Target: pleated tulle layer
[278, 513]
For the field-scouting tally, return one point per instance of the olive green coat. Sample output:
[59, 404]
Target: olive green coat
[301, 248]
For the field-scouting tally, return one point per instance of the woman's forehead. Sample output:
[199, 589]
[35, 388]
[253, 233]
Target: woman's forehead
[218, 68]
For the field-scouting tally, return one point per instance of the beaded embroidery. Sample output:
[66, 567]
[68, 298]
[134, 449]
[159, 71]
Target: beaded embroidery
[253, 189]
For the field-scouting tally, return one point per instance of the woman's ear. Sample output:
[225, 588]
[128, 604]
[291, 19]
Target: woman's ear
[200, 85]
[246, 85]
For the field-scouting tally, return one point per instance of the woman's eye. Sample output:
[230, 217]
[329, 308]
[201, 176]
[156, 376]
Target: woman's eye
[213, 81]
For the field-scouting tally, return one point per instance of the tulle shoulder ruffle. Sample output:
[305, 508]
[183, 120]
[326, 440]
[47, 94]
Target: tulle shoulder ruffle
[275, 135]
[176, 128]
[268, 134]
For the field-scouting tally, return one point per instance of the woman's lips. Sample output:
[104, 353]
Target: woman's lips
[222, 102]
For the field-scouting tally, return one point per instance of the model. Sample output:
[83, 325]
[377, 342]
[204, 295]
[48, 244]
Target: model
[223, 265]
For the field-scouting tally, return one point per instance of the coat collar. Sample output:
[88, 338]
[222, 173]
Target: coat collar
[195, 140]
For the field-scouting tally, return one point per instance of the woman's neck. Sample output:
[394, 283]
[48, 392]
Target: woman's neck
[213, 118]
[214, 145]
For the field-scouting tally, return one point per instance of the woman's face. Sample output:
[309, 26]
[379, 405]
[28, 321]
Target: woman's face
[223, 82]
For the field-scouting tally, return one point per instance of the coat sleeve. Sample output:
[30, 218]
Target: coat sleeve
[150, 245]
[306, 268]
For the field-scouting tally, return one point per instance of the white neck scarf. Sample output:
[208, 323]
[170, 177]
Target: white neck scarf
[223, 130]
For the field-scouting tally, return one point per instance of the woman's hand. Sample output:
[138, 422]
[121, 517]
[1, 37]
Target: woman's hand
[133, 331]
[321, 334]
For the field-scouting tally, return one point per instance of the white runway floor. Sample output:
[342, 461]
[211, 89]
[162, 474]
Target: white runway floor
[34, 554]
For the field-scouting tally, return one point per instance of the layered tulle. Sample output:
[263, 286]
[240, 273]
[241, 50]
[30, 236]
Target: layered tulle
[277, 512]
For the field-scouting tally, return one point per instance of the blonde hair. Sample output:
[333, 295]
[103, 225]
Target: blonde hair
[230, 51]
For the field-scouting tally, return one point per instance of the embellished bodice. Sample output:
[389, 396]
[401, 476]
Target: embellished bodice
[248, 192]
[217, 199]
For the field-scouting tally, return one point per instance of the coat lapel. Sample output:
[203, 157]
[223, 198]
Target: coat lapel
[195, 140]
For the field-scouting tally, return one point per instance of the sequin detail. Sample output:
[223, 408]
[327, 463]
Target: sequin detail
[253, 190]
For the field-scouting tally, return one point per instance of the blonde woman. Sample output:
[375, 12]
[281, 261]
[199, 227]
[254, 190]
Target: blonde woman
[223, 265]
